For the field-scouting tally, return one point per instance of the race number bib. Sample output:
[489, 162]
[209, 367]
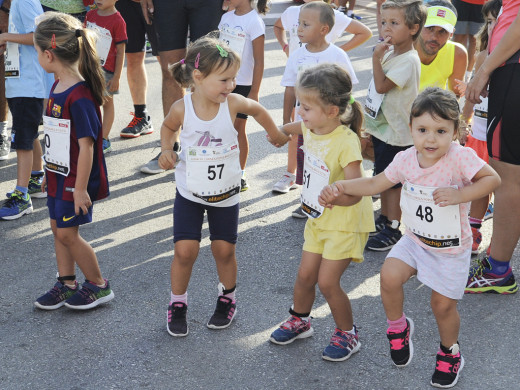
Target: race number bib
[57, 145]
[234, 38]
[435, 226]
[481, 109]
[373, 101]
[316, 175]
[103, 42]
[213, 173]
[12, 60]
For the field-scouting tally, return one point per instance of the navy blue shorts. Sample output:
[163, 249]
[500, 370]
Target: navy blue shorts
[242, 90]
[173, 18]
[384, 155]
[63, 212]
[188, 217]
[136, 27]
[27, 114]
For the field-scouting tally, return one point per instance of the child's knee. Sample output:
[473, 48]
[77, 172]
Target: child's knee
[442, 306]
[328, 287]
[66, 236]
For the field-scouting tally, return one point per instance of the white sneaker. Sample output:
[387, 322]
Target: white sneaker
[5, 145]
[286, 183]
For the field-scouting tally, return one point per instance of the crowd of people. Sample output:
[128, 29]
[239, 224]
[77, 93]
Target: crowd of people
[435, 165]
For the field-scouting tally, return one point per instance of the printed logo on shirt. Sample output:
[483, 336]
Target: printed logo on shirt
[56, 111]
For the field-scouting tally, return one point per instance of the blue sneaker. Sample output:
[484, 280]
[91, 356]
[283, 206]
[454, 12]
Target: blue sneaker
[55, 297]
[482, 279]
[35, 187]
[15, 206]
[489, 211]
[90, 296]
[385, 239]
[107, 146]
[342, 346]
[292, 329]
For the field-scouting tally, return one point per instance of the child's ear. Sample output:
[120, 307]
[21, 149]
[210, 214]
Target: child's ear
[333, 111]
[324, 29]
[197, 75]
[414, 29]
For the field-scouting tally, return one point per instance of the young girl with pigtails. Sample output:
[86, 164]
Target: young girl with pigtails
[76, 173]
[208, 172]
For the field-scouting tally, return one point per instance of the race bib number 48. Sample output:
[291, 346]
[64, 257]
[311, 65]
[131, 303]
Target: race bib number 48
[435, 226]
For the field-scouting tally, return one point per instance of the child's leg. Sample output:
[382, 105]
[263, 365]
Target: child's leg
[186, 252]
[226, 261]
[25, 163]
[329, 277]
[292, 151]
[394, 274]
[64, 259]
[390, 204]
[81, 252]
[108, 116]
[243, 142]
[448, 319]
[305, 285]
[37, 152]
[479, 207]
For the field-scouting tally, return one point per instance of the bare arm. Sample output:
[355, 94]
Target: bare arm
[22, 39]
[85, 158]
[381, 82]
[351, 171]
[170, 130]
[361, 34]
[113, 85]
[484, 182]
[258, 68]
[460, 65]
[148, 9]
[289, 100]
[279, 33]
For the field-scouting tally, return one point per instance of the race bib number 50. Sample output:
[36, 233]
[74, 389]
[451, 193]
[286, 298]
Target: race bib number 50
[57, 144]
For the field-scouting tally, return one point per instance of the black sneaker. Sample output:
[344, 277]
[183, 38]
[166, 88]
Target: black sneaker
[137, 127]
[401, 346]
[244, 185]
[447, 369]
[224, 313]
[380, 223]
[177, 326]
[384, 240]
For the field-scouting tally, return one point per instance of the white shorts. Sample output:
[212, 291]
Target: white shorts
[444, 273]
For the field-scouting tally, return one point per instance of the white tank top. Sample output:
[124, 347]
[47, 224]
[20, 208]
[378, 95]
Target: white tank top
[196, 132]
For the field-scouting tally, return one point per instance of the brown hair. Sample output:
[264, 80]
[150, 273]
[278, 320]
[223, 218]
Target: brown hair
[326, 12]
[261, 6]
[490, 7]
[333, 86]
[415, 12]
[439, 103]
[72, 44]
[204, 54]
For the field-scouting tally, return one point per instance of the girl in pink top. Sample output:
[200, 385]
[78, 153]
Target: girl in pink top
[439, 179]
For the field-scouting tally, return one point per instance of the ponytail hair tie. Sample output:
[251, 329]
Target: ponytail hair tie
[53, 41]
[182, 61]
[78, 32]
[351, 100]
[197, 60]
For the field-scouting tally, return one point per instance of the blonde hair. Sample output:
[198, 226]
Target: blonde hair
[333, 87]
[64, 36]
[207, 54]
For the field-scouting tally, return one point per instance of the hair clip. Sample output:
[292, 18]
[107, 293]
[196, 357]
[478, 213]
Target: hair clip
[197, 60]
[351, 100]
[182, 61]
[53, 41]
[78, 32]
[222, 52]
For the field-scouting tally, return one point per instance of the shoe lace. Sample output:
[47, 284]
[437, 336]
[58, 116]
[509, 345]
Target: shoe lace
[13, 199]
[478, 270]
[135, 120]
[223, 305]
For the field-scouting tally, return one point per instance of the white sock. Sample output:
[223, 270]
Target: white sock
[179, 298]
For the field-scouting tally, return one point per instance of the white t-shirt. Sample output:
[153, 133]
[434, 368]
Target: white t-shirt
[289, 20]
[253, 27]
[302, 59]
[197, 132]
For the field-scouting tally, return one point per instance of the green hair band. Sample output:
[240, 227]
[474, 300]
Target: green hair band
[222, 51]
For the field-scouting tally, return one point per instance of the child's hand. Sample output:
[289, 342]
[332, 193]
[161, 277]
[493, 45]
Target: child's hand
[82, 202]
[446, 196]
[43, 186]
[460, 87]
[167, 159]
[280, 140]
[464, 131]
[381, 48]
[113, 85]
[329, 194]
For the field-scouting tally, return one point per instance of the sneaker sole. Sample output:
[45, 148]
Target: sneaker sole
[94, 304]
[130, 135]
[285, 191]
[410, 344]
[28, 210]
[3, 158]
[211, 326]
[151, 171]
[303, 335]
[456, 378]
[53, 307]
[343, 358]
[492, 290]
[386, 248]
[38, 195]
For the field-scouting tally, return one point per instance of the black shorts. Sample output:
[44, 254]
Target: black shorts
[27, 114]
[384, 154]
[244, 91]
[469, 17]
[137, 28]
[188, 217]
[172, 18]
[503, 136]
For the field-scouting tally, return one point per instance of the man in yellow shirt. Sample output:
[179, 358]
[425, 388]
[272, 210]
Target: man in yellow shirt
[442, 61]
